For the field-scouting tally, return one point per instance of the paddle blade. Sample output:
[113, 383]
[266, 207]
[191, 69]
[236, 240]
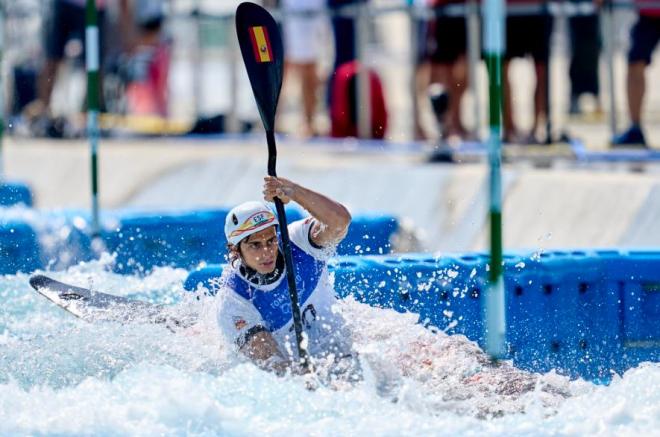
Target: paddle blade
[263, 55]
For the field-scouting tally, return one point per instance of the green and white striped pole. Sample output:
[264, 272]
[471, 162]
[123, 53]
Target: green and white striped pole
[494, 304]
[93, 103]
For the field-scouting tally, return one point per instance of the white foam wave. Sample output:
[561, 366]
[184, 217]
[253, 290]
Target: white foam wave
[60, 375]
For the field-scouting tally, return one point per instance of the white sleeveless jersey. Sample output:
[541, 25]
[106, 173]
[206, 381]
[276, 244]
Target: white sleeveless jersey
[245, 308]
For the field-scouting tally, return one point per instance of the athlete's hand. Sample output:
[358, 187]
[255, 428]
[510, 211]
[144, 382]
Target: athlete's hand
[281, 188]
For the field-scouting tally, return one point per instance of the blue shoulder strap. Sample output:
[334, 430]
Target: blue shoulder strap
[275, 305]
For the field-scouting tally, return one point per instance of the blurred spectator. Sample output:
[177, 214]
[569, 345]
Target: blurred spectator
[526, 35]
[422, 65]
[343, 28]
[584, 32]
[303, 32]
[64, 36]
[147, 57]
[447, 50]
[645, 35]
[342, 18]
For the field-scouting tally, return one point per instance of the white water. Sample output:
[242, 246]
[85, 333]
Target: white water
[60, 375]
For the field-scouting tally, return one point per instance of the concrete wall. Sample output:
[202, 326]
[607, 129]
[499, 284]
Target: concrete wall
[574, 206]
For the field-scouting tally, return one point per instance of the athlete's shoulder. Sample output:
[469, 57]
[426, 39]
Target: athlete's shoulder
[300, 234]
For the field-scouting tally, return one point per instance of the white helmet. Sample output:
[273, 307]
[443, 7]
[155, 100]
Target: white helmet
[247, 219]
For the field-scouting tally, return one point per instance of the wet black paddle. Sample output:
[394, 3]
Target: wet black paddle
[263, 55]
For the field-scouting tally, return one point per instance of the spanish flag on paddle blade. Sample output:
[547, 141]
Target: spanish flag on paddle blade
[261, 48]
[261, 44]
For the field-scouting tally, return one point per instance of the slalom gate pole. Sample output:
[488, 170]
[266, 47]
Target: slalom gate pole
[92, 61]
[494, 300]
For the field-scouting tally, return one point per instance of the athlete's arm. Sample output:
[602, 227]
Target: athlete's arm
[332, 218]
[262, 349]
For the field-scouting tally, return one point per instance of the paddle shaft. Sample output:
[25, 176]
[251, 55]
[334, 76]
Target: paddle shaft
[263, 55]
[288, 258]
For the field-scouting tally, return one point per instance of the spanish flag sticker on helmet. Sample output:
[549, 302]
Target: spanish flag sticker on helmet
[247, 219]
[258, 220]
[261, 44]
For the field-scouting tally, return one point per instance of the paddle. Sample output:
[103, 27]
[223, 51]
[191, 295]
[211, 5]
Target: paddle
[261, 47]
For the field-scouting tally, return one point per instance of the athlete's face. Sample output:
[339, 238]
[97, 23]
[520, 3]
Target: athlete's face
[260, 250]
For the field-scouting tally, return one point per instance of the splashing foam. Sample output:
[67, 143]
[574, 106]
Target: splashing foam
[60, 374]
[439, 372]
[403, 361]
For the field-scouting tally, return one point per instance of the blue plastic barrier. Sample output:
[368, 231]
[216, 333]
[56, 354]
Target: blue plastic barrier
[142, 241]
[65, 238]
[203, 277]
[369, 235]
[555, 292]
[53, 240]
[186, 239]
[584, 313]
[19, 248]
[15, 193]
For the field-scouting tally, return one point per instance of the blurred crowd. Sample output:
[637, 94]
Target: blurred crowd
[529, 27]
[142, 51]
[135, 54]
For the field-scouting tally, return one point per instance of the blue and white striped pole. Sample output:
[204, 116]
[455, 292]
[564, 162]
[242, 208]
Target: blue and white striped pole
[494, 301]
[92, 58]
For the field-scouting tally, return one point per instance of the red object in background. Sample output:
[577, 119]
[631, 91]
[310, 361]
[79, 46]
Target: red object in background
[648, 8]
[343, 113]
